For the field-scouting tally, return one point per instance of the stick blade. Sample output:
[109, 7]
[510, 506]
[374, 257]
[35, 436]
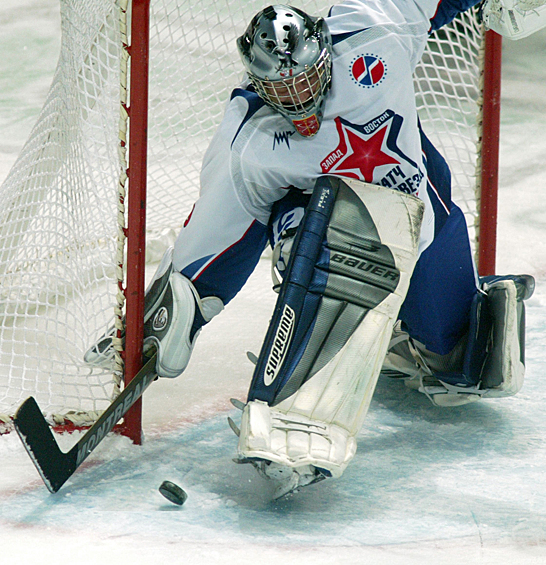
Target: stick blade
[54, 466]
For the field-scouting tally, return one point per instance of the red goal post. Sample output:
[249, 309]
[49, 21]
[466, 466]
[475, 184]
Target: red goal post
[63, 204]
[136, 226]
[488, 155]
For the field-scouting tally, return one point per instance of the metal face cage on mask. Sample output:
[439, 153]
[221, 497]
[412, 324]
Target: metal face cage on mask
[287, 55]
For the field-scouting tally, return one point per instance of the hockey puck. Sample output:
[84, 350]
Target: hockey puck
[173, 493]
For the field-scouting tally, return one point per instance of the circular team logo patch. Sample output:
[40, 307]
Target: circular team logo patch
[160, 320]
[368, 70]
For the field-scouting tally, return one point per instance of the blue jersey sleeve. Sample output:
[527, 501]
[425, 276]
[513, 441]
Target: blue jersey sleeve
[448, 10]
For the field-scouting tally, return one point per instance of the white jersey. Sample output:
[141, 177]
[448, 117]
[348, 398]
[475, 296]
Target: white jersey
[370, 126]
[369, 131]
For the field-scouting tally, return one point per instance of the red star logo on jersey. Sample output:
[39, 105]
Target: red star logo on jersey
[358, 154]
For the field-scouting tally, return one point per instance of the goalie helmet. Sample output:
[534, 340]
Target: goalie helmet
[287, 55]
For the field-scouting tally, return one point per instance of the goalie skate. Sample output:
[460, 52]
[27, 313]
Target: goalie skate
[286, 480]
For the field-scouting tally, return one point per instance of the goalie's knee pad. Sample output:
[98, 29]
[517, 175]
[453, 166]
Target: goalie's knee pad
[347, 276]
[489, 362]
[173, 316]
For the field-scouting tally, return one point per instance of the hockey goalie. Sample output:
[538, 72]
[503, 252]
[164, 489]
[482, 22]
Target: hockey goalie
[321, 153]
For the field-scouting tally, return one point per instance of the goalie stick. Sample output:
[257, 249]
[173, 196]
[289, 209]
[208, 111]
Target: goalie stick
[55, 466]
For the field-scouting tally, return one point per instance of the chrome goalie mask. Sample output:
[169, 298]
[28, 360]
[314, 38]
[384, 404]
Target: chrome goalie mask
[287, 55]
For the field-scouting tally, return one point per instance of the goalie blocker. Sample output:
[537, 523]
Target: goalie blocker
[348, 274]
[174, 314]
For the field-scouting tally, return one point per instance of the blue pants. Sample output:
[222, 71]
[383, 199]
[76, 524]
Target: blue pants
[436, 310]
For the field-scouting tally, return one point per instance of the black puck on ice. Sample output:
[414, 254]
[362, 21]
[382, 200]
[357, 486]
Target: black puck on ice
[173, 493]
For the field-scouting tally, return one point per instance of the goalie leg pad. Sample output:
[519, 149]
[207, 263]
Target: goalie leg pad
[488, 362]
[504, 367]
[348, 274]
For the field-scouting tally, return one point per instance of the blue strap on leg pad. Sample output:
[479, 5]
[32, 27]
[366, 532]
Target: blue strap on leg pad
[346, 279]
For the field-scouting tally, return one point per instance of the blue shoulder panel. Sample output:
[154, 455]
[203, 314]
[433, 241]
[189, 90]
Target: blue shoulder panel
[448, 10]
[254, 104]
[343, 36]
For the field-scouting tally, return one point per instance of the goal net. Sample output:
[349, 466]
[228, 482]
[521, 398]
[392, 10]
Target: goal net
[62, 206]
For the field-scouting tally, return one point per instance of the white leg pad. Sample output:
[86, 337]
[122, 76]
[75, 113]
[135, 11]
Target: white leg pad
[504, 364]
[318, 424]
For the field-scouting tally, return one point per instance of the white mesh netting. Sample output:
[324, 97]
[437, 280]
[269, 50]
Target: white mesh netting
[59, 233]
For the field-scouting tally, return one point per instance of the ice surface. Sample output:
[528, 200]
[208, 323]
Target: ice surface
[427, 486]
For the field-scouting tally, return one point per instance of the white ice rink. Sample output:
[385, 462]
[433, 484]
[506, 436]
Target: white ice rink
[427, 487]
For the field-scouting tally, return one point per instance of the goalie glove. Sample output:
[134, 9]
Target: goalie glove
[514, 19]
